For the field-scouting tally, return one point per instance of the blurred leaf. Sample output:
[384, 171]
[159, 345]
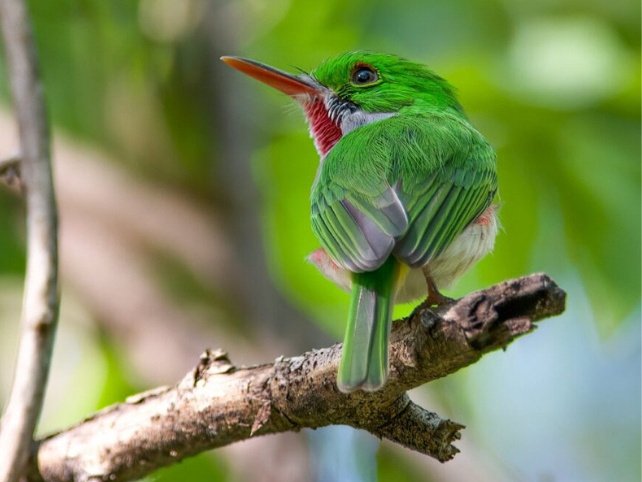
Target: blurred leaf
[119, 379]
[285, 170]
[392, 468]
[600, 197]
[204, 467]
[12, 251]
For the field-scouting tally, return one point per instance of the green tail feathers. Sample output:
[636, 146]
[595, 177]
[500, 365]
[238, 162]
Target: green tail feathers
[364, 361]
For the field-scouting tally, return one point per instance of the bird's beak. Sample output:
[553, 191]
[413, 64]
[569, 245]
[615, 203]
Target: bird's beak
[286, 83]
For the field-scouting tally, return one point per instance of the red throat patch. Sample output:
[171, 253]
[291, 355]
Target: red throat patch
[325, 132]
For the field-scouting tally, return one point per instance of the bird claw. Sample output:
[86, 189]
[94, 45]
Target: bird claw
[435, 298]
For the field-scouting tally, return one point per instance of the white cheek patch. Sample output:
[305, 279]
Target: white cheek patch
[350, 121]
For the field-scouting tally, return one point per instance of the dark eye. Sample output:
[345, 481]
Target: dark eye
[364, 75]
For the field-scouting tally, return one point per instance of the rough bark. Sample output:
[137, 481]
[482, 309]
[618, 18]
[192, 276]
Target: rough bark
[218, 403]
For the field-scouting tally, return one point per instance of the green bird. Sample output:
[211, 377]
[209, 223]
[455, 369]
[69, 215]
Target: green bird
[403, 197]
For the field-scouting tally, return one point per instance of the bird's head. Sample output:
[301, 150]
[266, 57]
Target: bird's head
[354, 89]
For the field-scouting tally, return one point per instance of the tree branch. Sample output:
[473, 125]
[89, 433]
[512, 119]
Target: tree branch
[40, 301]
[217, 403]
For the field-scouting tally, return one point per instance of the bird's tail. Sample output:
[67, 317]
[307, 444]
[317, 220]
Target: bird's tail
[364, 361]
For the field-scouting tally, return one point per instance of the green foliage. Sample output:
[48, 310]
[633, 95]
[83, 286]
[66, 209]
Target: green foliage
[390, 470]
[204, 467]
[118, 384]
[12, 250]
[283, 166]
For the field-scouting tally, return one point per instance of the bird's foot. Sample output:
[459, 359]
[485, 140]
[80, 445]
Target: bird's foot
[435, 298]
[432, 302]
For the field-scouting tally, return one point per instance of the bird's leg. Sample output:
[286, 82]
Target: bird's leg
[435, 298]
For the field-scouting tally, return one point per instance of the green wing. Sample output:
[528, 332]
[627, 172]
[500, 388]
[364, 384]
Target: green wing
[405, 185]
[358, 230]
[440, 210]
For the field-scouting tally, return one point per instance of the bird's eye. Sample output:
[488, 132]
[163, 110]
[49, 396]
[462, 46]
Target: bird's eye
[364, 75]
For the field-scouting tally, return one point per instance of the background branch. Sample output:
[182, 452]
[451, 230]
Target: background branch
[10, 171]
[217, 403]
[40, 299]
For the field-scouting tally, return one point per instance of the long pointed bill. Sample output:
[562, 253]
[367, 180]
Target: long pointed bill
[287, 83]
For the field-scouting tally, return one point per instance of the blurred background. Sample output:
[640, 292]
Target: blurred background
[184, 198]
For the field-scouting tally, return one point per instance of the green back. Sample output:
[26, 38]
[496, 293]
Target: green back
[405, 185]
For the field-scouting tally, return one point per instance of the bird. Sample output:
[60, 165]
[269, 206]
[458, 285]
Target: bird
[403, 202]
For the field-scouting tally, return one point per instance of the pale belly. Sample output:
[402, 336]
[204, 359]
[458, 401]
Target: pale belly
[477, 240]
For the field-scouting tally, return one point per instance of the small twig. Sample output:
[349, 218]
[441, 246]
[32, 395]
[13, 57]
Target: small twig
[10, 172]
[218, 403]
[40, 301]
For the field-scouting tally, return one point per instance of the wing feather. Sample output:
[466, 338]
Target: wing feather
[401, 186]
